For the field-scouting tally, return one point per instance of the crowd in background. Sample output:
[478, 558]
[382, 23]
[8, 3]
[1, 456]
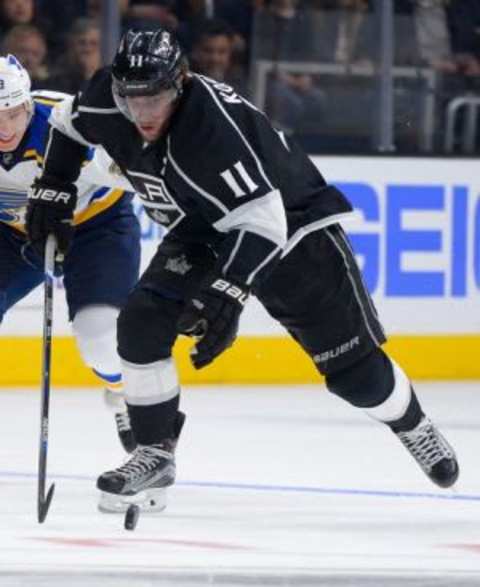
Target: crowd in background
[59, 42]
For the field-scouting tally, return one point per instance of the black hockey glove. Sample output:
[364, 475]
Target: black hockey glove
[212, 316]
[50, 209]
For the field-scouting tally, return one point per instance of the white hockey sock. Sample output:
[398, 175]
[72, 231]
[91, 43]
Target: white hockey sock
[95, 329]
[150, 384]
[396, 404]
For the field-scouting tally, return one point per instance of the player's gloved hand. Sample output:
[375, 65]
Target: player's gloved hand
[212, 317]
[50, 207]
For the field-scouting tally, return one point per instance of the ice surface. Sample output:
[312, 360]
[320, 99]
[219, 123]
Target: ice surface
[276, 486]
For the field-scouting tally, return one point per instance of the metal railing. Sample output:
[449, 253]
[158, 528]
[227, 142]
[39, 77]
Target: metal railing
[471, 104]
[262, 68]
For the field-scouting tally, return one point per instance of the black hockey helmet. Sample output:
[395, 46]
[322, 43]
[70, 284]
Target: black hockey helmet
[148, 62]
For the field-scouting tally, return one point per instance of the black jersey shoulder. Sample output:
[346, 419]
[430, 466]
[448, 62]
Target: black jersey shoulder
[98, 93]
[212, 115]
[213, 161]
[96, 117]
[215, 129]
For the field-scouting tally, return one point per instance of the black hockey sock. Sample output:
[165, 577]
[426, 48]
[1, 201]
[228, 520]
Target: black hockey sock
[154, 423]
[410, 419]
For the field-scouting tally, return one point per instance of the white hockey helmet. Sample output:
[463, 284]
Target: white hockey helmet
[15, 84]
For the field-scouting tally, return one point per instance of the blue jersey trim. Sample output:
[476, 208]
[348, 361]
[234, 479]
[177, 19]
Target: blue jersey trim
[116, 378]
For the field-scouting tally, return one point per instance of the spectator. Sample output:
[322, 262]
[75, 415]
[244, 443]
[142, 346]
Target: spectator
[15, 12]
[94, 8]
[351, 27]
[62, 12]
[23, 12]
[143, 14]
[284, 32]
[212, 55]
[464, 22]
[237, 13]
[293, 102]
[29, 45]
[433, 37]
[82, 59]
[326, 30]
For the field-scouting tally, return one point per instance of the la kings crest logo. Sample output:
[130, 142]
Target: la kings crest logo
[157, 200]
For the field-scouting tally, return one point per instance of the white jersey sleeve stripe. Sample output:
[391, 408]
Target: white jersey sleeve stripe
[61, 118]
[234, 251]
[264, 216]
[267, 260]
[91, 110]
[354, 284]
[235, 126]
[191, 183]
[312, 227]
[49, 142]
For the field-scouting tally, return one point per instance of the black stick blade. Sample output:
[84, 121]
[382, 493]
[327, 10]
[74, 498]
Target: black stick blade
[44, 504]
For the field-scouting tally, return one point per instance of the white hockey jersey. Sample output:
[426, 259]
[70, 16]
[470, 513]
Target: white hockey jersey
[100, 184]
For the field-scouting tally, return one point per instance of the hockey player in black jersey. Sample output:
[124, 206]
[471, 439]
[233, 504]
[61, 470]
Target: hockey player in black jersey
[247, 213]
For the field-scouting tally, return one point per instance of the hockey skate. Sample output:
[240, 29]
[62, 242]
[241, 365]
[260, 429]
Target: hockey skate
[143, 479]
[432, 452]
[115, 401]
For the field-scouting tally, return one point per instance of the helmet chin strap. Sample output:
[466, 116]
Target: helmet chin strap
[29, 105]
[178, 85]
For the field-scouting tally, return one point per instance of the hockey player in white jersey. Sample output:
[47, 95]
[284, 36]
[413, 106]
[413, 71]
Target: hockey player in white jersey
[102, 264]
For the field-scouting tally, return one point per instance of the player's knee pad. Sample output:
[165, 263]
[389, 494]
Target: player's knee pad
[152, 383]
[95, 329]
[366, 383]
[147, 327]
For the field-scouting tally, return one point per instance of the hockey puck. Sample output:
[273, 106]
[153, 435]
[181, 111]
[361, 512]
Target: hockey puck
[131, 517]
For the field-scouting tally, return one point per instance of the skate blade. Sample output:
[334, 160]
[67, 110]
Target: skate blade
[150, 501]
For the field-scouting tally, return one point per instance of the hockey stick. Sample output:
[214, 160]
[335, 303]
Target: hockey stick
[43, 502]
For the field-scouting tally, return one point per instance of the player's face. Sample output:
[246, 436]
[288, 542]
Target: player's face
[151, 113]
[13, 124]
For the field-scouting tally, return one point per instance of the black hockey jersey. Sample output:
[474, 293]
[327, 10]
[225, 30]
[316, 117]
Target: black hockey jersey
[221, 174]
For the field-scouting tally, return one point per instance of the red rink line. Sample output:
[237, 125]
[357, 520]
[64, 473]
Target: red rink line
[115, 542]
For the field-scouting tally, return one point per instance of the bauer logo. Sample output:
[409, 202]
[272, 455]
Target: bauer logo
[416, 240]
[337, 351]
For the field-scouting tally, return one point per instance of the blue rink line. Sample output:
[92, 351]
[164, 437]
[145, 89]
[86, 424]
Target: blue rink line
[448, 495]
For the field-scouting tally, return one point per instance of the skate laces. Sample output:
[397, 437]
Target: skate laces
[426, 444]
[123, 421]
[144, 460]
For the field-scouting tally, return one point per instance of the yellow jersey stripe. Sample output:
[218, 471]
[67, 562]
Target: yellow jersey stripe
[33, 154]
[92, 210]
[98, 206]
[47, 101]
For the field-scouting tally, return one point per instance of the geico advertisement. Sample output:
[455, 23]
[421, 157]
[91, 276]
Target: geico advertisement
[417, 237]
[416, 232]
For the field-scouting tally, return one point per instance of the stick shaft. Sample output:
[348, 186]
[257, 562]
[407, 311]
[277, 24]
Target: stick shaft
[42, 502]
